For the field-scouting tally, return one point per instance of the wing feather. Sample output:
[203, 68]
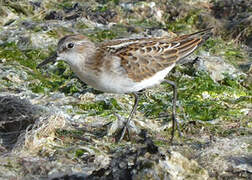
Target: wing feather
[142, 58]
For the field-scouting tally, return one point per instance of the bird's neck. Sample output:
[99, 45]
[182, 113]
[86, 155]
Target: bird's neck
[81, 67]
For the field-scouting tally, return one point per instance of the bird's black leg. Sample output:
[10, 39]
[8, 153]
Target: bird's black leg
[130, 116]
[175, 123]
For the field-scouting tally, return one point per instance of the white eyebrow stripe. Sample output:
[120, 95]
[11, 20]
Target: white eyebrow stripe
[81, 42]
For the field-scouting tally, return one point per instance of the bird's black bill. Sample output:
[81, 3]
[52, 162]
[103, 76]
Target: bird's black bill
[52, 59]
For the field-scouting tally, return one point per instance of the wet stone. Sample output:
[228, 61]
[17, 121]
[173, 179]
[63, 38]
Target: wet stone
[54, 15]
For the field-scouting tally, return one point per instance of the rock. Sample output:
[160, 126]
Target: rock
[16, 115]
[235, 18]
[247, 68]
[216, 67]
[53, 15]
[228, 157]
[159, 33]
[103, 17]
[141, 162]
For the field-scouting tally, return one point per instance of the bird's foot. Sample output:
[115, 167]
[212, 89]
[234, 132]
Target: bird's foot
[123, 129]
[120, 128]
[175, 125]
[122, 133]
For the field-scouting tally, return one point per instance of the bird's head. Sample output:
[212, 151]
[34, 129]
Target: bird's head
[72, 49]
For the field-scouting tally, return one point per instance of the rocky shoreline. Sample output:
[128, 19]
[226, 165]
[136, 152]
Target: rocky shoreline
[53, 126]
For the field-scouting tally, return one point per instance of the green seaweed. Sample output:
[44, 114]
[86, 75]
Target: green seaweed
[101, 35]
[147, 23]
[180, 24]
[230, 51]
[11, 52]
[201, 100]
[102, 108]
[116, 2]
[79, 152]
[53, 81]
[198, 107]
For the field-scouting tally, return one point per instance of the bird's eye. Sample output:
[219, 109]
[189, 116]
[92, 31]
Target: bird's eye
[70, 45]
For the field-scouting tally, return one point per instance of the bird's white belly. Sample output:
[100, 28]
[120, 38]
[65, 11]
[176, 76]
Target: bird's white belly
[116, 83]
[154, 80]
[121, 84]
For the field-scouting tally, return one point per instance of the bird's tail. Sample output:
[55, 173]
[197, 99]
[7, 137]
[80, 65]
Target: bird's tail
[190, 42]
